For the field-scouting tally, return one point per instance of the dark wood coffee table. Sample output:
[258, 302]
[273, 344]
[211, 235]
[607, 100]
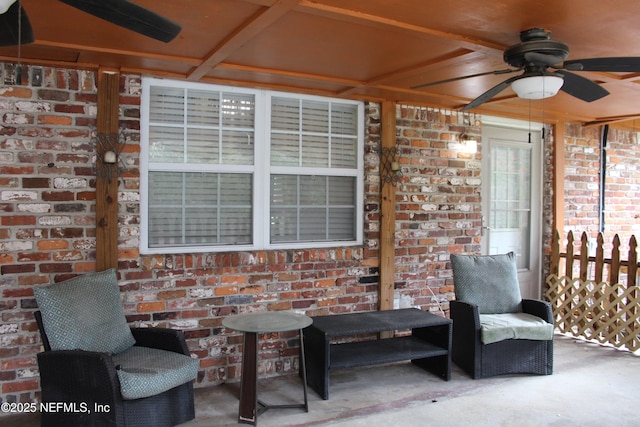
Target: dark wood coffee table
[428, 346]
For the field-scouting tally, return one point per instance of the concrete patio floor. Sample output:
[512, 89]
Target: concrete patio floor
[591, 386]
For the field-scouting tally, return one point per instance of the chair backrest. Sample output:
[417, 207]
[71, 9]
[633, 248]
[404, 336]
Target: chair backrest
[84, 313]
[489, 281]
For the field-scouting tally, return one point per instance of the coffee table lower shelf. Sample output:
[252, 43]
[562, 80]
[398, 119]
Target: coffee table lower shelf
[377, 352]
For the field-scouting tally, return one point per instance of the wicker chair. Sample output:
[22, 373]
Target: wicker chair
[90, 382]
[486, 288]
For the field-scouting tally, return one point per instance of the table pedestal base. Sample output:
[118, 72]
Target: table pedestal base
[250, 406]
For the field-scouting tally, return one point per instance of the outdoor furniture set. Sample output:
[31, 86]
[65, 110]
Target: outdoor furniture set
[118, 375]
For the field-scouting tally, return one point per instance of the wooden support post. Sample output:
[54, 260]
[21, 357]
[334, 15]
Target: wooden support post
[387, 211]
[107, 183]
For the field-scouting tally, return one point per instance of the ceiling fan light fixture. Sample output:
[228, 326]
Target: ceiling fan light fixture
[537, 87]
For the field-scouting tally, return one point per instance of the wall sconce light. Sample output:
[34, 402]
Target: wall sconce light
[390, 170]
[110, 157]
[108, 148]
[468, 143]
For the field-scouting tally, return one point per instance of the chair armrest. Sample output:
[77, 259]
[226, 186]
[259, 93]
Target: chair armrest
[466, 348]
[78, 375]
[538, 308]
[162, 339]
[465, 314]
[83, 378]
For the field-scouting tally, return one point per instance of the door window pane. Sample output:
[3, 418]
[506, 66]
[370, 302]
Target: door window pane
[510, 200]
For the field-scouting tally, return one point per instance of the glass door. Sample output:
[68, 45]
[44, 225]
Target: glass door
[512, 200]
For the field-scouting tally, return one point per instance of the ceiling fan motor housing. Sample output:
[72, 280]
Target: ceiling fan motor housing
[536, 41]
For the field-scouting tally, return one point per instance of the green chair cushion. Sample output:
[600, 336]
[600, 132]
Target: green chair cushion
[489, 281]
[85, 313]
[145, 372]
[498, 327]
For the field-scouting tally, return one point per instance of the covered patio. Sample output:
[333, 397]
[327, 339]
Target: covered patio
[592, 386]
[63, 215]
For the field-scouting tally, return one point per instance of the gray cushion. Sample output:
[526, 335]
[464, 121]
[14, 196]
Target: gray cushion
[498, 327]
[85, 313]
[489, 281]
[145, 372]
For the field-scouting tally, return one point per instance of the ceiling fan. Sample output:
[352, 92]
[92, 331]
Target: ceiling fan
[545, 70]
[15, 27]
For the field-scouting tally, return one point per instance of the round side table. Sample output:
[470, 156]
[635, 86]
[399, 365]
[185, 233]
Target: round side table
[252, 324]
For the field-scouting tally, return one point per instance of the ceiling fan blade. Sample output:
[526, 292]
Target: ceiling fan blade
[581, 87]
[621, 64]
[454, 79]
[131, 16]
[490, 93]
[13, 33]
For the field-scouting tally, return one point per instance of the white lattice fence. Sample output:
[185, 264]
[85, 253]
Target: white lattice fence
[596, 310]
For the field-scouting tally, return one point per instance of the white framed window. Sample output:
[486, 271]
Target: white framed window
[225, 168]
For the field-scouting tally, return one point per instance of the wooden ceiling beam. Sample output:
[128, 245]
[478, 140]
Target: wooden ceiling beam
[410, 71]
[241, 35]
[84, 48]
[361, 17]
[611, 120]
[287, 73]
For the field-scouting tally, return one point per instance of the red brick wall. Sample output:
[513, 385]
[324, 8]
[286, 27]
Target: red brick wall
[622, 185]
[582, 183]
[47, 211]
[438, 209]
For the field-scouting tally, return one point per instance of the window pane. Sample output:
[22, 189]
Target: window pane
[342, 208]
[235, 190]
[165, 227]
[284, 190]
[166, 105]
[315, 117]
[285, 114]
[320, 134]
[201, 189]
[166, 144]
[165, 188]
[312, 208]
[201, 226]
[237, 147]
[341, 224]
[313, 190]
[238, 110]
[344, 152]
[285, 149]
[313, 224]
[344, 119]
[510, 199]
[342, 191]
[236, 226]
[284, 225]
[199, 209]
[203, 108]
[203, 146]
[315, 151]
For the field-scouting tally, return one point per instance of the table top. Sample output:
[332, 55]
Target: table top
[269, 321]
[377, 321]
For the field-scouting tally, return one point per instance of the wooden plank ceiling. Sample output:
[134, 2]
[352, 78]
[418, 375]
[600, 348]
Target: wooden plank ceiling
[360, 49]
